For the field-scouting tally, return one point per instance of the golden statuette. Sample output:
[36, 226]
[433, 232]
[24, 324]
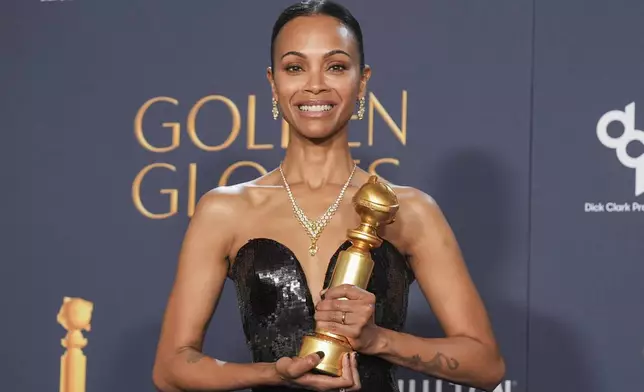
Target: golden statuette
[377, 205]
[75, 314]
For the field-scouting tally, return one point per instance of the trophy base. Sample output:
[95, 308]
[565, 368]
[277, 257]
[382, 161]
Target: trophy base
[333, 350]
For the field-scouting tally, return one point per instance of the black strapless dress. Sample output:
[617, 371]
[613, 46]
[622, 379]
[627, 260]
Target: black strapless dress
[277, 307]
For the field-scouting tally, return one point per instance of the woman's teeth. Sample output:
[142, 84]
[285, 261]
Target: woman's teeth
[315, 108]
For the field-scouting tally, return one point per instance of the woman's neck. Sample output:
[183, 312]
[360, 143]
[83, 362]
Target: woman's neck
[315, 165]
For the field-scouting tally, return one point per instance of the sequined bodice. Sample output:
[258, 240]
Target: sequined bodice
[277, 307]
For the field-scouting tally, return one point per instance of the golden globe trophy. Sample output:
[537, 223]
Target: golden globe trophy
[75, 315]
[376, 204]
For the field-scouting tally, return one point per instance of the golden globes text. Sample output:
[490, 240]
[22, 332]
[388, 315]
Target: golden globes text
[178, 132]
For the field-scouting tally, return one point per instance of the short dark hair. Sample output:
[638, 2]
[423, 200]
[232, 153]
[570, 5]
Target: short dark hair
[320, 7]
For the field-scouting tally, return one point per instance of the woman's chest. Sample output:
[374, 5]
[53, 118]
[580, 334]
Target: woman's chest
[272, 285]
[309, 228]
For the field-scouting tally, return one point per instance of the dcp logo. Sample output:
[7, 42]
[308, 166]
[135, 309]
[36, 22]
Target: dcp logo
[619, 144]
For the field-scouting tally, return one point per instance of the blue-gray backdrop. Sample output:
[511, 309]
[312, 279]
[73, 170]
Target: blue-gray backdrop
[117, 116]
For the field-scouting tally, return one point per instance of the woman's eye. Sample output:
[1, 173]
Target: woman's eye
[337, 67]
[293, 68]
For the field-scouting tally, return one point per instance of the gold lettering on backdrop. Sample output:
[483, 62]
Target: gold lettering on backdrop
[399, 132]
[251, 127]
[378, 162]
[192, 189]
[75, 315]
[192, 128]
[136, 192]
[354, 144]
[138, 126]
[285, 136]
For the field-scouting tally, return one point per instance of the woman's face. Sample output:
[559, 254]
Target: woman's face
[316, 77]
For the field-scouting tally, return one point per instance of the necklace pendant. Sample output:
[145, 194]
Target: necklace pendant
[314, 227]
[313, 249]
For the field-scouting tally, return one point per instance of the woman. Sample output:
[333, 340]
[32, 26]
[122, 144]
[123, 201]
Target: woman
[258, 234]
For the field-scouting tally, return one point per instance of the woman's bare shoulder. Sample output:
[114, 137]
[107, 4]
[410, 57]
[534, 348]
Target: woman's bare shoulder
[232, 201]
[412, 197]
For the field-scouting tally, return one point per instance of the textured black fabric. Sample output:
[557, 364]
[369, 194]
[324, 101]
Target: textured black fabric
[277, 307]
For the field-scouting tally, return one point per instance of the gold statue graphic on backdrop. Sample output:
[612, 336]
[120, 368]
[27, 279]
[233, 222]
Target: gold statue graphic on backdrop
[75, 315]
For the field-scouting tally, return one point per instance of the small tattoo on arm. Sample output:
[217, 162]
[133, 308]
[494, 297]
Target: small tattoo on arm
[192, 355]
[433, 365]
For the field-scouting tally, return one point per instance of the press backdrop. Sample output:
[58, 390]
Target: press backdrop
[118, 116]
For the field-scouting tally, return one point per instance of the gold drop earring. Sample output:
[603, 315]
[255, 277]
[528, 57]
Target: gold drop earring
[276, 111]
[361, 108]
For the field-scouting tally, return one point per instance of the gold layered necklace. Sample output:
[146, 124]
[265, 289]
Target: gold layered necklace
[314, 228]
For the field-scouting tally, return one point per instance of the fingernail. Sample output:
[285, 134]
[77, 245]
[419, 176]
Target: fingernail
[320, 354]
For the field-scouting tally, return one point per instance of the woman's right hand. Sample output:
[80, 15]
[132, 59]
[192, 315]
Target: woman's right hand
[296, 373]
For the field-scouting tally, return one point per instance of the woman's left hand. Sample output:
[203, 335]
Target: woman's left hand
[348, 310]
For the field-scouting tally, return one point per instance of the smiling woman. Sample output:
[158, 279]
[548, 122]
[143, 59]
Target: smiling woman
[318, 71]
[259, 235]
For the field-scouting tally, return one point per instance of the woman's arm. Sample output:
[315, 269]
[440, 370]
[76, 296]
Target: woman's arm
[469, 353]
[180, 365]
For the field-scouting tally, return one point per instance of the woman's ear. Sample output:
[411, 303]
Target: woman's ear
[271, 81]
[364, 79]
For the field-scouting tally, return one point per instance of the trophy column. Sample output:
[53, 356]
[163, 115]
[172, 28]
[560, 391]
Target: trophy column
[376, 204]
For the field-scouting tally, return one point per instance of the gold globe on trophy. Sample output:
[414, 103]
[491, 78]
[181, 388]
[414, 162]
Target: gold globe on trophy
[377, 205]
